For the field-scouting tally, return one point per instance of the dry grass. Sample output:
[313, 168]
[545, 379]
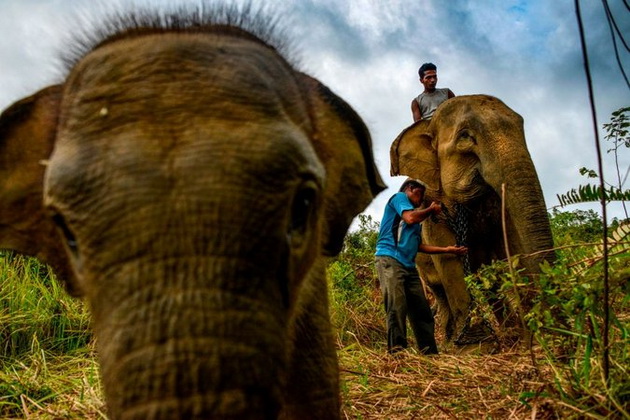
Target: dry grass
[52, 387]
[43, 384]
[376, 385]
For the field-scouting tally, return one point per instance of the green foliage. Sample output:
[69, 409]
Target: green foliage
[355, 298]
[589, 173]
[493, 283]
[45, 345]
[567, 319]
[578, 226]
[617, 132]
[566, 314]
[592, 194]
[36, 311]
[361, 243]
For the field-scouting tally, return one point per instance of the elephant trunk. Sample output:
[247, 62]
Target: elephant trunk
[196, 343]
[527, 222]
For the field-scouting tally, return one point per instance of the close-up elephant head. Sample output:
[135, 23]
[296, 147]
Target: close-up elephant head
[470, 155]
[189, 182]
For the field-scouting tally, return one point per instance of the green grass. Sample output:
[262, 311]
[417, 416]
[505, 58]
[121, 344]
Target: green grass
[36, 312]
[47, 363]
[48, 367]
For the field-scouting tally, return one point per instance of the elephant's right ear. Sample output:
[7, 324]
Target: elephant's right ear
[27, 137]
[342, 143]
[413, 154]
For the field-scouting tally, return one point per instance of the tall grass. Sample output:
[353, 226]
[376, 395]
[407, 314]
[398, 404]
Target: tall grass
[565, 319]
[47, 363]
[35, 311]
[48, 367]
[356, 306]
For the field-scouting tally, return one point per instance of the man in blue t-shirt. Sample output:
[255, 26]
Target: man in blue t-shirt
[399, 240]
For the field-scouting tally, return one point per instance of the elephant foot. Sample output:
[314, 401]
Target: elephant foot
[477, 333]
[482, 348]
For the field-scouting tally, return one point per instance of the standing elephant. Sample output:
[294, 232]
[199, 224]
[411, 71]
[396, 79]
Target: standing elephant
[188, 182]
[471, 148]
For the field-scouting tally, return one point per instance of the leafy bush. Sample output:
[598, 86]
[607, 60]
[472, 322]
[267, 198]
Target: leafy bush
[578, 226]
[567, 313]
[356, 310]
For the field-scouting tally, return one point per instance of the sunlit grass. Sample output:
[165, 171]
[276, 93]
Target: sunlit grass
[35, 311]
[48, 367]
[47, 363]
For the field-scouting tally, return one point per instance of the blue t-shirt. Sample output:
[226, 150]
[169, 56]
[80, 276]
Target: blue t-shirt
[396, 238]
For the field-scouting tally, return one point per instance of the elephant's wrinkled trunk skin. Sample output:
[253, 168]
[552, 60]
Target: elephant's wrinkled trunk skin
[187, 347]
[528, 229]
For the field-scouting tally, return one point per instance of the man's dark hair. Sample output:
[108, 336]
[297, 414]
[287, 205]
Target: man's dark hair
[410, 182]
[425, 67]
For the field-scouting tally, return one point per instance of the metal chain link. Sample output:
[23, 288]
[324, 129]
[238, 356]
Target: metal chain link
[459, 224]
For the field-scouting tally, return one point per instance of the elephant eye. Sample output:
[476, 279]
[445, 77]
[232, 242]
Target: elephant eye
[465, 141]
[302, 210]
[71, 241]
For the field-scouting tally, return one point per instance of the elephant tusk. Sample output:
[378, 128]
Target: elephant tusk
[44, 162]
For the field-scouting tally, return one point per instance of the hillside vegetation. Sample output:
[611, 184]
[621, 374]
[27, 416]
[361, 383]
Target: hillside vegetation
[48, 368]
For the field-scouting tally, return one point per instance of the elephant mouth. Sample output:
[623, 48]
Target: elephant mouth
[474, 189]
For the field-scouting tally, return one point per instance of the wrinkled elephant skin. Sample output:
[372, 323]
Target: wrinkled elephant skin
[198, 182]
[472, 150]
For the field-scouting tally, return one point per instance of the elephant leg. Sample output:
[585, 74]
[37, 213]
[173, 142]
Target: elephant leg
[430, 278]
[449, 269]
[312, 389]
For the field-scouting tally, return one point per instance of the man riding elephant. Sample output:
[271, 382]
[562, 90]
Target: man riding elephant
[473, 157]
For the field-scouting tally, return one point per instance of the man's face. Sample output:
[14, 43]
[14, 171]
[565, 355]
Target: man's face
[429, 80]
[415, 195]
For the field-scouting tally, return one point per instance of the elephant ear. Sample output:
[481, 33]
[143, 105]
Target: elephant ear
[27, 136]
[343, 144]
[414, 154]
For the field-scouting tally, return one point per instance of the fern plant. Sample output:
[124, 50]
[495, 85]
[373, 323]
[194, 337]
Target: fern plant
[617, 132]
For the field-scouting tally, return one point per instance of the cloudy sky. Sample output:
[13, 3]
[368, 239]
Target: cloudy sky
[525, 52]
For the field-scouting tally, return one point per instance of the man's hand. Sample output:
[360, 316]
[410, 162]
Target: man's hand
[436, 208]
[457, 250]
[432, 249]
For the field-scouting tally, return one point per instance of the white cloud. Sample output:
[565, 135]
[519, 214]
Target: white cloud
[368, 51]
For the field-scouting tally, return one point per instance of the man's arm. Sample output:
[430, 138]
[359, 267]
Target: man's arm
[450, 94]
[418, 215]
[432, 249]
[415, 110]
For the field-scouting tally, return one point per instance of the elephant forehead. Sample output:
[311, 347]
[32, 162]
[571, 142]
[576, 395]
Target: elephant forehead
[174, 77]
[163, 107]
[478, 112]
